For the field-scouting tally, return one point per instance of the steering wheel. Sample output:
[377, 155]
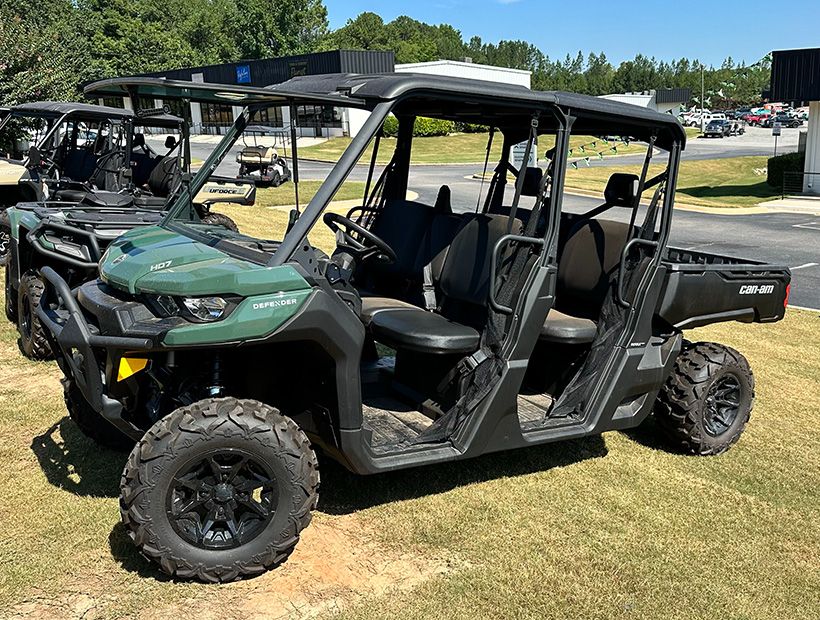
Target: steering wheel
[374, 246]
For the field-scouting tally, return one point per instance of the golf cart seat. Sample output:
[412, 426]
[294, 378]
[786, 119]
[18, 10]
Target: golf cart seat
[464, 284]
[589, 259]
[256, 154]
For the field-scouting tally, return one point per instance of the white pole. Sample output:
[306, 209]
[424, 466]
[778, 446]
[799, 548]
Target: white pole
[702, 95]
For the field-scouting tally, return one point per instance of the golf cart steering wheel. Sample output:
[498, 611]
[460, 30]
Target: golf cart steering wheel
[369, 246]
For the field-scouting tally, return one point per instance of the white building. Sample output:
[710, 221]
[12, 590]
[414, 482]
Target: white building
[468, 69]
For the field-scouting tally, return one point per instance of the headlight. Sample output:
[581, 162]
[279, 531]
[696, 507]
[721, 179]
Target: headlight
[206, 308]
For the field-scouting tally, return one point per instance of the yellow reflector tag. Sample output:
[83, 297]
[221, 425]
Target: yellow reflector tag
[130, 366]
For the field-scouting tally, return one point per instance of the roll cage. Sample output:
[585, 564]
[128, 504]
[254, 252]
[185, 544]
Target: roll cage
[509, 109]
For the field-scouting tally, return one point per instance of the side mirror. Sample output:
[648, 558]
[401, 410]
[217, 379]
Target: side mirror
[170, 142]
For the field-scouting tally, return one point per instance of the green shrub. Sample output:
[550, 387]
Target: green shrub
[391, 126]
[424, 127]
[471, 128]
[790, 162]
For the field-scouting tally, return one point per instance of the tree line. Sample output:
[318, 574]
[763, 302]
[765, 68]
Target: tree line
[50, 48]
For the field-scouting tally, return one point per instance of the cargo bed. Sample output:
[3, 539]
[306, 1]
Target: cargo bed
[703, 288]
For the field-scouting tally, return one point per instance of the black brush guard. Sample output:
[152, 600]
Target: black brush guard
[73, 341]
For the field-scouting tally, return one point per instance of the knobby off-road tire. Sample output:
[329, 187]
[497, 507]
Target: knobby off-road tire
[706, 402]
[91, 423]
[5, 238]
[33, 341]
[11, 298]
[219, 219]
[178, 485]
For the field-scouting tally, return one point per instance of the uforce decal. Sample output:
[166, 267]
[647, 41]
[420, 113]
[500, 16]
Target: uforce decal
[757, 289]
[275, 303]
[220, 190]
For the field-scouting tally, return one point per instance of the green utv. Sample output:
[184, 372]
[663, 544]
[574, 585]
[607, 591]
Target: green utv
[96, 179]
[428, 335]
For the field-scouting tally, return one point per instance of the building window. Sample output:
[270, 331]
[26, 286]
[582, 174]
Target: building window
[113, 102]
[270, 117]
[318, 116]
[297, 68]
[217, 115]
[175, 107]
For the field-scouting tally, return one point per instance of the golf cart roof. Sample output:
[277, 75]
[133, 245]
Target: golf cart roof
[262, 129]
[55, 109]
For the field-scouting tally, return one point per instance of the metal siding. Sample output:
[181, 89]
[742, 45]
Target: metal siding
[268, 71]
[673, 95]
[796, 75]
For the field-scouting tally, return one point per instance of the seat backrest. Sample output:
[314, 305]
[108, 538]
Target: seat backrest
[588, 262]
[163, 176]
[621, 189]
[402, 224]
[79, 164]
[465, 276]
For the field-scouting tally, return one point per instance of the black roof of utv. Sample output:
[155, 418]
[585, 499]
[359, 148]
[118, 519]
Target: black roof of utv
[594, 115]
[54, 109]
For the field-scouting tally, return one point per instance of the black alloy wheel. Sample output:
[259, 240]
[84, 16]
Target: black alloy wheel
[223, 500]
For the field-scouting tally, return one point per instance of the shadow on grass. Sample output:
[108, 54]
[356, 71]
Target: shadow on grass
[343, 492]
[756, 190]
[650, 435]
[126, 554]
[73, 462]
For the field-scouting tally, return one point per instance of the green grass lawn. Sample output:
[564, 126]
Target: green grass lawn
[462, 148]
[729, 182]
[284, 194]
[607, 527]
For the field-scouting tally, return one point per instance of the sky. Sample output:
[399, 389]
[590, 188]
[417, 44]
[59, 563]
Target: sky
[745, 30]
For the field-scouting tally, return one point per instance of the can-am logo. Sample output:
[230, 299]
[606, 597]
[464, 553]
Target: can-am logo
[274, 303]
[757, 289]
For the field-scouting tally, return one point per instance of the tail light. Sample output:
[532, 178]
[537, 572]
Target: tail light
[788, 290]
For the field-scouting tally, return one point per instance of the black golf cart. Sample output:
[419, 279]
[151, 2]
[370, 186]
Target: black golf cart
[432, 333]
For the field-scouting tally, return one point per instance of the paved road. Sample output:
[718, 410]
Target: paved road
[780, 238]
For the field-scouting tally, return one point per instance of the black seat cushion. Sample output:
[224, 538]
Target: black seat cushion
[97, 198]
[373, 305]
[108, 199]
[426, 332]
[560, 327]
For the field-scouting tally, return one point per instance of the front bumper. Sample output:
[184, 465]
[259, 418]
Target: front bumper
[84, 355]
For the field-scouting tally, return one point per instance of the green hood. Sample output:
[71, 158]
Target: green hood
[159, 261]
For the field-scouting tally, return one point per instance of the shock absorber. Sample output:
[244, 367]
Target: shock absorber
[216, 386]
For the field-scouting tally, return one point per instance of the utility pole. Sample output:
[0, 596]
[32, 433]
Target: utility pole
[702, 95]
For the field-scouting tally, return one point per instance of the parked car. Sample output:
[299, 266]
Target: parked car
[717, 128]
[784, 119]
[758, 118]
